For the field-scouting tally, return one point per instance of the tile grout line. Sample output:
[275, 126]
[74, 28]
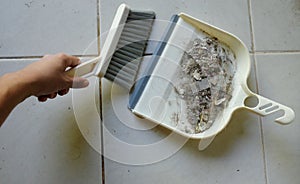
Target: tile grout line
[98, 26]
[39, 57]
[274, 52]
[101, 134]
[263, 150]
[93, 55]
[100, 100]
[251, 26]
[21, 57]
[260, 124]
[257, 87]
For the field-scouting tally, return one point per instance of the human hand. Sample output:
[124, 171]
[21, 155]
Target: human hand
[48, 76]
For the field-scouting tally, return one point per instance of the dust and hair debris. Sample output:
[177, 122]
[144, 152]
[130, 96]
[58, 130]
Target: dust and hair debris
[204, 83]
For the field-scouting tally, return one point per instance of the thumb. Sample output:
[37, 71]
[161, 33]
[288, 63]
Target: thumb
[79, 82]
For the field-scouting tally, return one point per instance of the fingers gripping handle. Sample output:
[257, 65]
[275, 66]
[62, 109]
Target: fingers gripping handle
[84, 69]
[266, 106]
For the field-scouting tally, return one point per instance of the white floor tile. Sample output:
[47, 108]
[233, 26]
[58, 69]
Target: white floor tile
[276, 24]
[41, 142]
[34, 28]
[278, 78]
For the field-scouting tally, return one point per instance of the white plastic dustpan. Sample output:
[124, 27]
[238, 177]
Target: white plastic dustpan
[152, 87]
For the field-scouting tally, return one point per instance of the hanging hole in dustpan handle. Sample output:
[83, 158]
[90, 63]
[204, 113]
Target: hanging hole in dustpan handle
[264, 106]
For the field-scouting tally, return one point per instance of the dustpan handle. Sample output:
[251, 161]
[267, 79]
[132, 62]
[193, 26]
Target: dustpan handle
[84, 69]
[266, 106]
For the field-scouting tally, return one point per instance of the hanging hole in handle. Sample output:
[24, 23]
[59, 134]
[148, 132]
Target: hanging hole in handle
[272, 109]
[265, 106]
[251, 101]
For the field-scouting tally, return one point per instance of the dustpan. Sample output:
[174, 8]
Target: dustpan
[153, 97]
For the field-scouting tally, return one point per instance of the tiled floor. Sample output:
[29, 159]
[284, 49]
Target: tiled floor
[41, 143]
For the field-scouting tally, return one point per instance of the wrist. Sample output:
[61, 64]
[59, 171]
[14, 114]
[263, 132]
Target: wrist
[29, 80]
[18, 86]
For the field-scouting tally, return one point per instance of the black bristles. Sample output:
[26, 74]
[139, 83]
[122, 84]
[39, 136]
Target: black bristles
[136, 15]
[126, 51]
[125, 61]
[132, 49]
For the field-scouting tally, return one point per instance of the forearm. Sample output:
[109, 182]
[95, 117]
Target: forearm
[13, 90]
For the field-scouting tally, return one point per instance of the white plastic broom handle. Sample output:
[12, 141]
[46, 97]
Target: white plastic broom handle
[112, 39]
[84, 69]
[99, 65]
